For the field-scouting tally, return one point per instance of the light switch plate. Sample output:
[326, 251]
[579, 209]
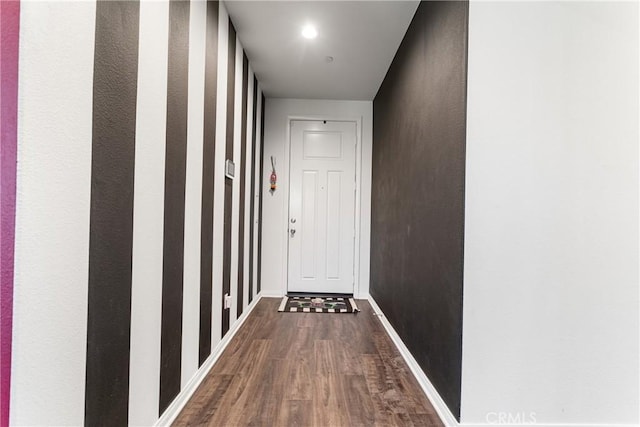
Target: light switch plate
[230, 169]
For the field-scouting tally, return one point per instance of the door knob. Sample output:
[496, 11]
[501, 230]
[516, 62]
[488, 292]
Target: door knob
[293, 220]
[292, 231]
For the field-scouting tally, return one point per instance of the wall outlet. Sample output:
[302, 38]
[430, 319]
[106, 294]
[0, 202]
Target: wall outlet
[227, 301]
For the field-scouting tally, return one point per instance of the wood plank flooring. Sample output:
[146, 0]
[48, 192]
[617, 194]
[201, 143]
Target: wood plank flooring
[305, 369]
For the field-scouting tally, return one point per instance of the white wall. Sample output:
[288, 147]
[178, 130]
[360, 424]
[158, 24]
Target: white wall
[52, 213]
[218, 184]
[551, 249]
[148, 215]
[193, 191]
[275, 207]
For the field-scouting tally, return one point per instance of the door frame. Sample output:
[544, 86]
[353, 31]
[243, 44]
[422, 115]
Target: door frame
[285, 166]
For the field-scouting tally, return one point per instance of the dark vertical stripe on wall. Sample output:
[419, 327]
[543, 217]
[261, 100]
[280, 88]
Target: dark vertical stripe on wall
[243, 168]
[417, 227]
[260, 193]
[111, 220]
[208, 156]
[252, 204]
[228, 183]
[174, 190]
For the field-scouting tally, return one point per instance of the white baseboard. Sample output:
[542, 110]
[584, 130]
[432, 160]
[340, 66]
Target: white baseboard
[429, 390]
[280, 294]
[171, 413]
[271, 294]
[432, 394]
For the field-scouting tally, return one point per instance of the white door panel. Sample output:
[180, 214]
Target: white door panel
[322, 207]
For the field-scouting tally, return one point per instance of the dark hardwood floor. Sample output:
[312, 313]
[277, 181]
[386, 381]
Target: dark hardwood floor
[305, 369]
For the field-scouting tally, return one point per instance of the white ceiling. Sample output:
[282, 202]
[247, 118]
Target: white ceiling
[361, 36]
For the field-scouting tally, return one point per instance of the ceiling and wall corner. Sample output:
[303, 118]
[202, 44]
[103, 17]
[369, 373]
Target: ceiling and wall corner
[361, 36]
[300, 81]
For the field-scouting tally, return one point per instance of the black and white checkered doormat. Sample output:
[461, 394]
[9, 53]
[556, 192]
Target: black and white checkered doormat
[311, 304]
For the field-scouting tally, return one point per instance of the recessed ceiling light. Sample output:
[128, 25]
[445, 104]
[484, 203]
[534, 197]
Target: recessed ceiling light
[309, 32]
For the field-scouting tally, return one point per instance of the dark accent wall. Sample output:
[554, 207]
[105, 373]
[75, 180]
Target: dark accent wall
[174, 196]
[208, 174]
[111, 223]
[243, 183]
[228, 183]
[418, 192]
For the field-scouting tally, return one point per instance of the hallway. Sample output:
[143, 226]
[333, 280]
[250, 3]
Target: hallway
[467, 170]
[309, 369]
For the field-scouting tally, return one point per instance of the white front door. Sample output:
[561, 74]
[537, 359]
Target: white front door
[322, 206]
